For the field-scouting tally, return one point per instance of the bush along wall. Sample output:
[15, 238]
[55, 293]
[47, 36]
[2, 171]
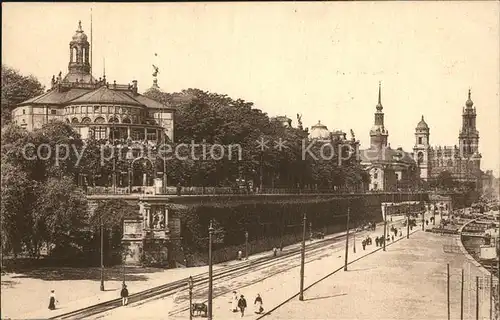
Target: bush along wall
[268, 225]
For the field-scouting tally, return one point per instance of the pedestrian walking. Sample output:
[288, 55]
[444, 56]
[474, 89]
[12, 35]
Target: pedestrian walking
[124, 295]
[240, 255]
[52, 300]
[242, 304]
[275, 251]
[234, 302]
[363, 243]
[258, 305]
[426, 222]
[376, 241]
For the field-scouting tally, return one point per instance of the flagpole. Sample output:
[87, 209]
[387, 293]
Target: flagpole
[91, 43]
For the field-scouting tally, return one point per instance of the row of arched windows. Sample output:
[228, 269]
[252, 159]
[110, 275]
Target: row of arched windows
[98, 109]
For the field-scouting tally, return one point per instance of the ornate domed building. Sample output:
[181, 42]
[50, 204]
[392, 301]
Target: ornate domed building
[462, 161]
[319, 132]
[96, 108]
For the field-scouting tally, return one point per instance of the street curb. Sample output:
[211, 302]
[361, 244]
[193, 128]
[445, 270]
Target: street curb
[328, 275]
[467, 254]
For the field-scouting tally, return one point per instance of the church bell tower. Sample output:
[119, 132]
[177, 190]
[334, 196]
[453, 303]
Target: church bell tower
[422, 148]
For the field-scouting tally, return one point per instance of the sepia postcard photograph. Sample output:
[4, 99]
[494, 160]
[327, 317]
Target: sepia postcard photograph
[250, 160]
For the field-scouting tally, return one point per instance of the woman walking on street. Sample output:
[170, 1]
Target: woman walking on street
[52, 300]
[258, 305]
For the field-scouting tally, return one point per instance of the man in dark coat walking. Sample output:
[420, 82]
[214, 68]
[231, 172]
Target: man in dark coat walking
[242, 304]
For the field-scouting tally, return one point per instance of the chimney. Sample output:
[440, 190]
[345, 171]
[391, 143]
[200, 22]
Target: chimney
[134, 86]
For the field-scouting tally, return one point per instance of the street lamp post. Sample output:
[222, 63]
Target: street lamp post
[408, 220]
[102, 254]
[385, 227]
[123, 272]
[423, 212]
[210, 234]
[246, 245]
[354, 240]
[190, 286]
[302, 258]
[347, 238]
[310, 231]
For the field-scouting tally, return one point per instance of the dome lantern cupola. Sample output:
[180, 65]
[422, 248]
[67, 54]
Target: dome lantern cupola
[79, 53]
[422, 125]
[469, 102]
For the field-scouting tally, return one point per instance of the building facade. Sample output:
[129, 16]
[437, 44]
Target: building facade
[389, 169]
[462, 161]
[96, 108]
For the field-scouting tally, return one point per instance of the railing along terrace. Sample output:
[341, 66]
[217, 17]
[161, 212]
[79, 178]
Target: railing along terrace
[224, 191]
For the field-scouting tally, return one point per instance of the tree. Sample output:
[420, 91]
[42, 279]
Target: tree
[17, 88]
[59, 214]
[445, 180]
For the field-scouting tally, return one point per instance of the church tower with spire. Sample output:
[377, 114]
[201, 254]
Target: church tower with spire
[378, 133]
[469, 136]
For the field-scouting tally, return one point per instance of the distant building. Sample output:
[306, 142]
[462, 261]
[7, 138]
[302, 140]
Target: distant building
[96, 108]
[320, 132]
[284, 120]
[462, 161]
[389, 169]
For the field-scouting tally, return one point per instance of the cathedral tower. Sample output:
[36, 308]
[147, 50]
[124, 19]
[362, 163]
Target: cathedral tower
[469, 136]
[378, 133]
[422, 148]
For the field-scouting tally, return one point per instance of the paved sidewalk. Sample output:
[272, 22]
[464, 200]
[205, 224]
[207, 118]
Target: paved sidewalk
[406, 282]
[17, 289]
[274, 288]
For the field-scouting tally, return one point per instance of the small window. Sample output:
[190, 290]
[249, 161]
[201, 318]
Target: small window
[419, 140]
[375, 175]
[96, 109]
[375, 186]
[24, 111]
[53, 111]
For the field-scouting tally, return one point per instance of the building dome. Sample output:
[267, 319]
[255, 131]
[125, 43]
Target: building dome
[319, 131]
[80, 36]
[422, 125]
[469, 102]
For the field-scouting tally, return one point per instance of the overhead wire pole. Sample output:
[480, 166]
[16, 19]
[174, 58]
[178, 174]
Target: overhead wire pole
[408, 219]
[210, 280]
[302, 257]
[347, 236]
[384, 208]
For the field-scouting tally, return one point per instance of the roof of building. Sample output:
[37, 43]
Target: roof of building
[422, 124]
[107, 95]
[386, 155]
[79, 77]
[56, 97]
[319, 131]
[148, 102]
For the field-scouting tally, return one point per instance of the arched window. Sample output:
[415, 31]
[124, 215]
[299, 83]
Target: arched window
[74, 120]
[113, 120]
[126, 120]
[86, 120]
[67, 120]
[99, 120]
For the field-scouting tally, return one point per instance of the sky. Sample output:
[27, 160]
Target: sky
[323, 60]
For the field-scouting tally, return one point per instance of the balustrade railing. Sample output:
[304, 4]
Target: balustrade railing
[151, 190]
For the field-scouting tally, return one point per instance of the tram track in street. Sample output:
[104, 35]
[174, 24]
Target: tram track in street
[200, 279]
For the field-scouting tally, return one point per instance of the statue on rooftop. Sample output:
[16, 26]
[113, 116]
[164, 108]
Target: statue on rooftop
[156, 70]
